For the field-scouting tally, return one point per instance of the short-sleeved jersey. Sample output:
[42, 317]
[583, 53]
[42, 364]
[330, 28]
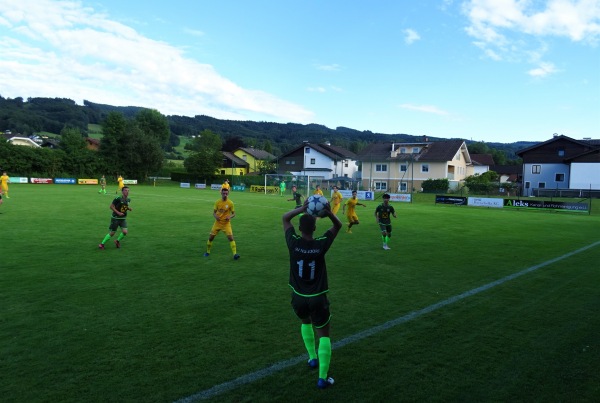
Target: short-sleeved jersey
[298, 198]
[122, 205]
[5, 179]
[225, 186]
[282, 186]
[121, 183]
[336, 197]
[103, 181]
[318, 192]
[308, 271]
[222, 209]
[384, 213]
[351, 205]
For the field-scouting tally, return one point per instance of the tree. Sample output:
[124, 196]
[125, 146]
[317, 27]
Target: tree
[205, 157]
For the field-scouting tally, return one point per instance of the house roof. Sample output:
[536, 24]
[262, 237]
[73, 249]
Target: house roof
[586, 142]
[258, 154]
[433, 151]
[482, 159]
[234, 158]
[507, 169]
[333, 152]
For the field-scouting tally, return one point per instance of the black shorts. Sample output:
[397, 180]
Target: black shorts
[317, 308]
[116, 223]
[386, 227]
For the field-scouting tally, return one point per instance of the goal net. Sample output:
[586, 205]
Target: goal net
[304, 183]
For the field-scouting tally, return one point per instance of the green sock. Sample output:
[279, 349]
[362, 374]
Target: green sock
[387, 239]
[106, 238]
[324, 356]
[121, 236]
[308, 335]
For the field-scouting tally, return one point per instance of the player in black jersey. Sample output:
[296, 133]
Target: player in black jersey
[296, 196]
[383, 214]
[308, 281]
[119, 208]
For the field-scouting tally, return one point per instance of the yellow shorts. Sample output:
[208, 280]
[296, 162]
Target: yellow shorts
[335, 208]
[352, 217]
[219, 226]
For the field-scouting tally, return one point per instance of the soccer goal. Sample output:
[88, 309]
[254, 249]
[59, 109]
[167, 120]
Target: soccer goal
[273, 184]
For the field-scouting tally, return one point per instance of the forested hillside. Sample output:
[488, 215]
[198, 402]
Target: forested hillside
[35, 115]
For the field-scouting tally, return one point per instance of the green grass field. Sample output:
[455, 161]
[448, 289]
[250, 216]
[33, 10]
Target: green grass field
[155, 321]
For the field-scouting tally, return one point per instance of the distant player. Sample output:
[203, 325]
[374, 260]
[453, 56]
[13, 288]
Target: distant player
[226, 185]
[5, 180]
[102, 185]
[223, 212]
[296, 196]
[281, 188]
[351, 203]
[121, 184]
[308, 281]
[336, 200]
[119, 208]
[318, 191]
[383, 214]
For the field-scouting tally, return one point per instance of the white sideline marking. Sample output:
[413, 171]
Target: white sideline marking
[268, 371]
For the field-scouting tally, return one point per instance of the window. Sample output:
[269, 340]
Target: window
[536, 169]
[222, 172]
[346, 164]
[527, 185]
[542, 185]
[403, 187]
[380, 168]
[561, 152]
[380, 185]
[403, 167]
[307, 150]
[244, 157]
[312, 161]
[559, 178]
[290, 162]
[425, 168]
[403, 150]
[415, 150]
[458, 156]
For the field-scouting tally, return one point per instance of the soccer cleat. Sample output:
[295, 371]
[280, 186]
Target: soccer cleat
[236, 256]
[348, 231]
[386, 247]
[101, 246]
[206, 254]
[325, 383]
[117, 243]
[313, 364]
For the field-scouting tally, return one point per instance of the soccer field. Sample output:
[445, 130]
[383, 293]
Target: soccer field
[470, 304]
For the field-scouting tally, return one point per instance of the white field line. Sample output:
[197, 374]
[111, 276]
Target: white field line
[268, 371]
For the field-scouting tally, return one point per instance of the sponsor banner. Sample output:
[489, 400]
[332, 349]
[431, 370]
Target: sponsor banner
[360, 195]
[41, 180]
[217, 186]
[400, 197]
[544, 204]
[87, 181]
[238, 188]
[200, 186]
[458, 201]
[65, 181]
[17, 179]
[486, 202]
[261, 189]
[129, 181]
[184, 185]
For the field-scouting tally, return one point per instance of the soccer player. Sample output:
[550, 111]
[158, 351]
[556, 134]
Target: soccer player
[226, 185]
[383, 219]
[102, 185]
[281, 188]
[318, 191]
[351, 203]
[223, 212]
[308, 281]
[121, 183]
[119, 208]
[336, 200]
[296, 196]
[5, 180]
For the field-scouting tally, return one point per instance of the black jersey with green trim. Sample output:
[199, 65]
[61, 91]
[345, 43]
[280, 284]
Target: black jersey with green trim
[384, 213]
[121, 205]
[298, 198]
[308, 271]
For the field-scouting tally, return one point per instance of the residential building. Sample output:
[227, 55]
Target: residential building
[561, 163]
[481, 163]
[402, 167]
[254, 157]
[322, 161]
[232, 165]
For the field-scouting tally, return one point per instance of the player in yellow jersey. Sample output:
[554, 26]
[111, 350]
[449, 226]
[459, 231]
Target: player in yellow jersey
[351, 203]
[5, 180]
[318, 191]
[226, 185]
[121, 184]
[336, 200]
[223, 212]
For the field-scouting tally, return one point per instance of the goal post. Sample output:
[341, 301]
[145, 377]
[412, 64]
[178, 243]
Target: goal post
[273, 184]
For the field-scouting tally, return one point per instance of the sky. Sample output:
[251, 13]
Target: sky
[482, 70]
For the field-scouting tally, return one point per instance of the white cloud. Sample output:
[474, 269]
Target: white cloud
[410, 36]
[193, 32]
[543, 70]
[61, 49]
[425, 108]
[316, 89]
[328, 67]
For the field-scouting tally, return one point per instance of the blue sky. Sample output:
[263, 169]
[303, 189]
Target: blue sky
[484, 70]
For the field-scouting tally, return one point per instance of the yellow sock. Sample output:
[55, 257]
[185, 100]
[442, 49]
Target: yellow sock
[233, 247]
[208, 246]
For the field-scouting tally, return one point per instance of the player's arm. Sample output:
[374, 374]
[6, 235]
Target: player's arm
[114, 209]
[337, 223]
[287, 217]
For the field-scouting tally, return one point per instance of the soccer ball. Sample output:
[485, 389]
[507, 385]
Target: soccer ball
[316, 205]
